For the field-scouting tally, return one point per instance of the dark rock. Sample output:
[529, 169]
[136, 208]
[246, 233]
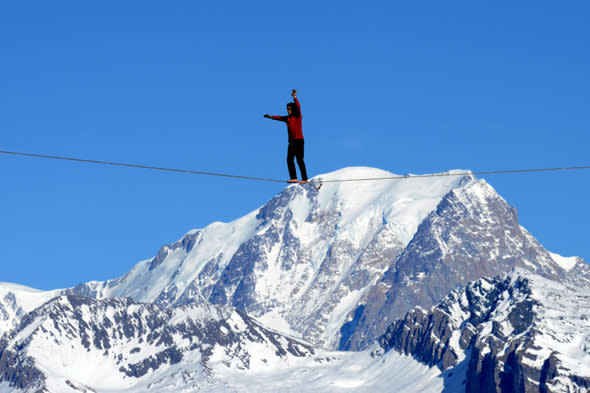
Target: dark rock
[466, 238]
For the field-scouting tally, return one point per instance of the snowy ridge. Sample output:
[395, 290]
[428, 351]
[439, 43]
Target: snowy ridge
[566, 263]
[16, 300]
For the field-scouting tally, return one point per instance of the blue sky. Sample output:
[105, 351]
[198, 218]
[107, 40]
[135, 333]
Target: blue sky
[407, 88]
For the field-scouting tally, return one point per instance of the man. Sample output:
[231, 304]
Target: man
[295, 149]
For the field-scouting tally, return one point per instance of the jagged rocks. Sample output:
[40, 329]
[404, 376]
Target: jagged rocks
[516, 334]
[472, 233]
[125, 339]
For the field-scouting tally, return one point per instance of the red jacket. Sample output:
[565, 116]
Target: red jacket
[293, 123]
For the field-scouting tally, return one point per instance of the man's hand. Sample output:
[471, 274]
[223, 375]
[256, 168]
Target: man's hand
[267, 116]
[294, 93]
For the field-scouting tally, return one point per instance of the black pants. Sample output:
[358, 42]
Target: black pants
[295, 150]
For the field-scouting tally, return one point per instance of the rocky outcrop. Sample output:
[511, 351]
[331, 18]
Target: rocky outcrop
[473, 233]
[517, 334]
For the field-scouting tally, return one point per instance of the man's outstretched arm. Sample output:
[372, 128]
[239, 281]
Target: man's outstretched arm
[280, 118]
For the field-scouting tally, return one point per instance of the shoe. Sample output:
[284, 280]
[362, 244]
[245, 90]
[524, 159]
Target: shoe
[303, 182]
[293, 181]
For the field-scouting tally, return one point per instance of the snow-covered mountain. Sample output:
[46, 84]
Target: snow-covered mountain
[336, 267]
[76, 344]
[518, 333]
[253, 301]
[73, 344]
[472, 233]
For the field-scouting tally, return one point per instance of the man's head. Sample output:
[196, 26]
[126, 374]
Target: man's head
[292, 109]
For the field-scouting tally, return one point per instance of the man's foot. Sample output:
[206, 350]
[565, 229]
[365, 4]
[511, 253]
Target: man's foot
[293, 181]
[303, 182]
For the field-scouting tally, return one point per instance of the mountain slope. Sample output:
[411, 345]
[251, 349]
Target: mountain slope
[472, 233]
[301, 262]
[521, 333]
[335, 267]
[17, 300]
[78, 344]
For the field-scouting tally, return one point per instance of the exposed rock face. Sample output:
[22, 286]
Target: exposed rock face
[473, 233]
[131, 338]
[9, 309]
[521, 333]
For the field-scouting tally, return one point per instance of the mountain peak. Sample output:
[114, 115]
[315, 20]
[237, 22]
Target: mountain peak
[300, 262]
[335, 267]
[309, 262]
[402, 202]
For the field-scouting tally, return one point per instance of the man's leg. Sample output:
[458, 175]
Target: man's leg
[290, 161]
[299, 153]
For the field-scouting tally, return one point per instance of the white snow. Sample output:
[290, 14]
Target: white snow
[402, 203]
[26, 299]
[566, 263]
[331, 372]
[566, 325]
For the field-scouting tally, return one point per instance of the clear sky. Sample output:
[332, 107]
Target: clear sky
[409, 88]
